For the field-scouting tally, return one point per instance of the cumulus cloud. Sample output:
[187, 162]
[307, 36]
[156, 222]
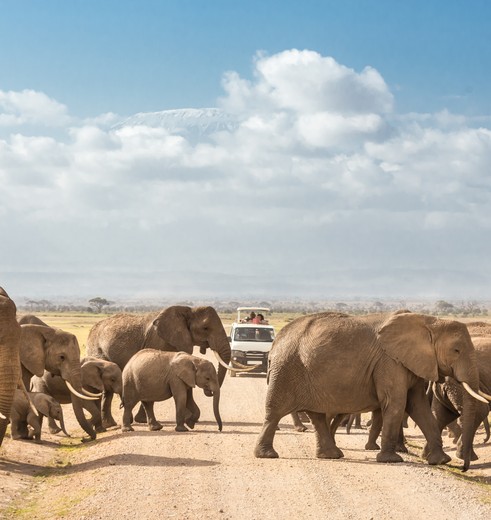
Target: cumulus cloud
[31, 107]
[305, 171]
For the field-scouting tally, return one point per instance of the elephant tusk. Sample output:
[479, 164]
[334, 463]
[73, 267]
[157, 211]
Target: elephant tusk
[2, 416]
[74, 392]
[240, 365]
[474, 394]
[485, 395]
[228, 367]
[90, 394]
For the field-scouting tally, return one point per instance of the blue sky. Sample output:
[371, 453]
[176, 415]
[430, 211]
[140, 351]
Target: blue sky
[347, 152]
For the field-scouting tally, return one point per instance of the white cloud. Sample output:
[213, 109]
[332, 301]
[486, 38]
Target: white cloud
[310, 172]
[31, 107]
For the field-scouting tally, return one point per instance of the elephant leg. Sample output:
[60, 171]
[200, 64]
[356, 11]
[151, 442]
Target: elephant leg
[107, 418]
[36, 425]
[18, 429]
[94, 408]
[392, 416]
[297, 423]
[181, 397]
[325, 445]
[264, 444]
[193, 411]
[53, 427]
[336, 422]
[82, 420]
[419, 410]
[375, 429]
[128, 415]
[454, 431]
[153, 424]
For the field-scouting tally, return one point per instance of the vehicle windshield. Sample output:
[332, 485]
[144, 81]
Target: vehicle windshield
[253, 334]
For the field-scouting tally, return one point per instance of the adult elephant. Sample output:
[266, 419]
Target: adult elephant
[45, 348]
[9, 358]
[98, 375]
[448, 399]
[330, 363]
[177, 328]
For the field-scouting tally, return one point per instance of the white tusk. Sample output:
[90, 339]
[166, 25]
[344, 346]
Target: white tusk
[86, 392]
[474, 394]
[228, 367]
[74, 392]
[2, 416]
[485, 395]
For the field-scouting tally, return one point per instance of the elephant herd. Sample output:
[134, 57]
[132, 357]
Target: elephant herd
[326, 365]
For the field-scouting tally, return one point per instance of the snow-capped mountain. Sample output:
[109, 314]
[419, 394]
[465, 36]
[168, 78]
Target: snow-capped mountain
[192, 123]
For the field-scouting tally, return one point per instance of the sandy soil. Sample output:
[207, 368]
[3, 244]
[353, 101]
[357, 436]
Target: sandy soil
[211, 475]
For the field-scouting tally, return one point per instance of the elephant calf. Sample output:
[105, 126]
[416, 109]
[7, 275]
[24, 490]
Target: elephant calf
[98, 375]
[153, 375]
[22, 416]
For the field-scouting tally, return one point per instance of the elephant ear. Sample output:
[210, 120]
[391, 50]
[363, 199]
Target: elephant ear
[173, 326]
[41, 403]
[92, 375]
[184, 369]
[33, 345]
[408, 339]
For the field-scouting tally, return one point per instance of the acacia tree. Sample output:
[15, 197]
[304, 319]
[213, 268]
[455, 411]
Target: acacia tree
[99, 303]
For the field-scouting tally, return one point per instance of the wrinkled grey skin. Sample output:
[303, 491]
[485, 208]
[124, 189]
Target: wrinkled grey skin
[330, 363]
[98, 375]
[46, 348]
[23, 416]
[31, 319]
[152, 375]
[448, 397]
[177, 328]
[10, 371]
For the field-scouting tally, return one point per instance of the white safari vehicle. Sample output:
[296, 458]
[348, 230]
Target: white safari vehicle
[250, 339]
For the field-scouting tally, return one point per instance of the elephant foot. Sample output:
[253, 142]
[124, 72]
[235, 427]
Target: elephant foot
[181, 428]
[190, 422]
[332, 453]
[54, 430]
[127, 429]
[372, 446]
[153, 427]
[389, 456]
[440, 457]
[401, 448]
[302, 428]
[460, 455]
[262, 452]
[109, 423]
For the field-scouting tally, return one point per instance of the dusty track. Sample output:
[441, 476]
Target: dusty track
[212, 475]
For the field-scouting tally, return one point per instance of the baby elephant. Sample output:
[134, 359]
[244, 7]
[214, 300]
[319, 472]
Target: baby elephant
[22, 415]
[153, 375]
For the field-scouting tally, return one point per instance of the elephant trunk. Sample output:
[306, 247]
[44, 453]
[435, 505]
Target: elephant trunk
[222, 348]
[62, 426]
[469, 411]
[75, 380]
[216, 410]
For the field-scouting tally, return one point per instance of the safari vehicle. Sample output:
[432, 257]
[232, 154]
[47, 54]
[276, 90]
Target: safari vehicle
[251, 342]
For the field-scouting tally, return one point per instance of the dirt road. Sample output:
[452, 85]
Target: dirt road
[211, 475]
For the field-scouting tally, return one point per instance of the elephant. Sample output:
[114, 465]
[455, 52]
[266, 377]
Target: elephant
[10, 371]
[98, 375]
[332, 363]
[22, 415]
[152, 375]
[177, 328]
[45, 348]
[31, 319]
[447, 402]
